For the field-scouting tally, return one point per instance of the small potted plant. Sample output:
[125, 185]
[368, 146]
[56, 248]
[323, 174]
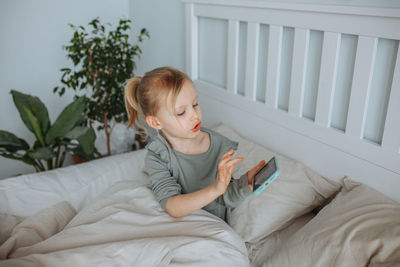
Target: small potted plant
[103, 60]
[52, 140]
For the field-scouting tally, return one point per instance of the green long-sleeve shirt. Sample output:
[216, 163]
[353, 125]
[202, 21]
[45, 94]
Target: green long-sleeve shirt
[173, 173]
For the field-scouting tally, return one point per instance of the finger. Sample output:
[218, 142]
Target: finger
[233, 161]
[223, 162]
[258, 166]
[231, 166]
[230, 152]
[227, 154]
[253, 171]
[227, 169]
[227, 158]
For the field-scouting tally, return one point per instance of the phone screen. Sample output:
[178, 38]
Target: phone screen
[264, 173]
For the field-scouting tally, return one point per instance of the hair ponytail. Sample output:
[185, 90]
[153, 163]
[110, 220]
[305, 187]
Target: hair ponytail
[131, 100]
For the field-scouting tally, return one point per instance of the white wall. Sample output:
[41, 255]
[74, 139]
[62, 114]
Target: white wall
[165, 22]
[31, 55]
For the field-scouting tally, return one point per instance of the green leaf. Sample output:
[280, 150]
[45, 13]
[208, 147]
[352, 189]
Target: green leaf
[66, 120]
[42, 153]
[26, 159]
[33, 113]
[12, 142]
[86, 141]
[77, 132]
[35, 124]
[86, 138]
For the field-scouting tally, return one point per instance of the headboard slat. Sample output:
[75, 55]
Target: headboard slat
[391, 134]
[363, 69]
[326, 85]
[192, 38]
[274, 64]
[232, 60]
[253, 33]
[300, 50]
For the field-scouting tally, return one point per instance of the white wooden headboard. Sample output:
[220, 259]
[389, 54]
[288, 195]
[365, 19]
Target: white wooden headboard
[318, 83]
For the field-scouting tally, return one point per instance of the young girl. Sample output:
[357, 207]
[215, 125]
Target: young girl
[190, 167]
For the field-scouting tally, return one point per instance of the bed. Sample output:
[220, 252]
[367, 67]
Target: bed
[317, 86]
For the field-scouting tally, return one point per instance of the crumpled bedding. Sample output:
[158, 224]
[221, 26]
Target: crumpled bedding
[19, 232]
[125, 226]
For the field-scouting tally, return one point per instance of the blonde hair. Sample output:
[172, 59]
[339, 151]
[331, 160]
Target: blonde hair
[143, 95]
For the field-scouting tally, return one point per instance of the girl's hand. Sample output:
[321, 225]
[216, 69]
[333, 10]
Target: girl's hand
[225, 169]
[253, 171]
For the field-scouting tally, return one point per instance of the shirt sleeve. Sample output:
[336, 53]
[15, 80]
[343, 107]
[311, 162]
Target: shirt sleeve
[164, 185]
[237, 191]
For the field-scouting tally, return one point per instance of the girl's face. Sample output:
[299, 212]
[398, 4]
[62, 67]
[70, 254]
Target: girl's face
[183, 120]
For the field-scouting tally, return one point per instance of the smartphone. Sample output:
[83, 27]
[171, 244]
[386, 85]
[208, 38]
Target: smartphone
[265, 176]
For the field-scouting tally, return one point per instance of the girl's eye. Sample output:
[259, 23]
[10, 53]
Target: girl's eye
[183, 112]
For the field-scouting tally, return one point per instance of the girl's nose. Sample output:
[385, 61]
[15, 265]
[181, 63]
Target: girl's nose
[195, 115]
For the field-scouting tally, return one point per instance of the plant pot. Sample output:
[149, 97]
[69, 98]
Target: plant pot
[77, 159]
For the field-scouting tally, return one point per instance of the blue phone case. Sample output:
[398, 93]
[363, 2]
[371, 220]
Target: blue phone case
[270, 179]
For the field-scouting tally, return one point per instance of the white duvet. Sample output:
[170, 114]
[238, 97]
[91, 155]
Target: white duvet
[125, 226]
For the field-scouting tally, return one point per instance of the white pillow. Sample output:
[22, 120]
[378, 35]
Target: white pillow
[295, 192]
[359, 227]
[78, 184]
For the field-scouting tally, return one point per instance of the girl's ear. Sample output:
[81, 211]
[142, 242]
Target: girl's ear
[153, 122]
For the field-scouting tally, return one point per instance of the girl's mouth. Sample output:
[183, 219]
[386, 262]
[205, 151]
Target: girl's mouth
[197, 127]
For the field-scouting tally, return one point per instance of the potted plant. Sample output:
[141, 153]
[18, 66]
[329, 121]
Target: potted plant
[103, 60]
[52, 140]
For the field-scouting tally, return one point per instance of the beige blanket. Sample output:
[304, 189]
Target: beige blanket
[17, 232]
[123, 227]
[360, 227]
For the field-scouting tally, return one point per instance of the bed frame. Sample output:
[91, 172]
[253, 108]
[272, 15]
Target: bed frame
[318, 83]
